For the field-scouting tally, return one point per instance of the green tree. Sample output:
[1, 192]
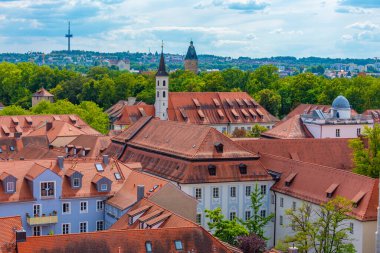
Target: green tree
[270, 100]
[324, 229]
[366, 152]
[256, 223]
[225, 230]
[14, 110]
[256, 131]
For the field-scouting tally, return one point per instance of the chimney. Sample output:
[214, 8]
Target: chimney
[49, 125]
[106, 159]
[60, 160]
[17, 135]
[131, 100]
[140, 192]
[293, 249]
[20, 236]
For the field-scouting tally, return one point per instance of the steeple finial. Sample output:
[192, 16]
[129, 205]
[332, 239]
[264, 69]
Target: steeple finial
[162, 46]
[161, 68]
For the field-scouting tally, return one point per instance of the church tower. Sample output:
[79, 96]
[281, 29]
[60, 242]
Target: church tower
[191, 59]
[162, 89]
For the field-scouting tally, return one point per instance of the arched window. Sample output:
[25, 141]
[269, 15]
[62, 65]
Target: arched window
[158, 82]
[163, 93]
[164, 83]
[158, 94]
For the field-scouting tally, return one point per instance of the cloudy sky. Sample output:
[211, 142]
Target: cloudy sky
[254, 28]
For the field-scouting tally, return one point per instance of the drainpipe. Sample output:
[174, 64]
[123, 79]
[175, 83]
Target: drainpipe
[275, 218]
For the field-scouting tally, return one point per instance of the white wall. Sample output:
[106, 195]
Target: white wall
[329, 131]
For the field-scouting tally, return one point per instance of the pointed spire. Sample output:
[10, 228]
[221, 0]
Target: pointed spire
[191, 53]
[161, 68]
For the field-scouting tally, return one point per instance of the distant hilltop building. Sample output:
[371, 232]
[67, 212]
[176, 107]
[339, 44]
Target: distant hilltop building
[41, 95]
[121, 64]
[191, 59]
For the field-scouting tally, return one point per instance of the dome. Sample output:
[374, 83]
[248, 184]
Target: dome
[341, 103]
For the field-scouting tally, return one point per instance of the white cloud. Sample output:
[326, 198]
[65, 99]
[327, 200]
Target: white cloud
[289, 32]
[367, 25]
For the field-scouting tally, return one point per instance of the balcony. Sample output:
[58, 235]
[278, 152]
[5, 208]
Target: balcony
[33, 221]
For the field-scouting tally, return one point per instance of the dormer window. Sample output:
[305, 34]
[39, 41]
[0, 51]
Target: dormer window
[76, 182]
[103, 187]
[102, 184]
[243, 168]
[219, 147]
[47, 189]
[9, 182]
[10, 186]
[212, 170]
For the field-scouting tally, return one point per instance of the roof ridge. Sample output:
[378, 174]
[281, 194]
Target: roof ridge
[202, 143]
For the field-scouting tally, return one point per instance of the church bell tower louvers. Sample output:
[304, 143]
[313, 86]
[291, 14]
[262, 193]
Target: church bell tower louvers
[162, 89]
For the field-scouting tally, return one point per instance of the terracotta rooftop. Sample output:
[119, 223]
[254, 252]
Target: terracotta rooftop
[42, 93]
[127, 195]
[193, 239]
[290, 128]
[129, 114]
[310, 182]
[375, 113]
[7, 233]
[216, 108]
[318, 151]
[152, 214]
[187, 141]
[94, 145]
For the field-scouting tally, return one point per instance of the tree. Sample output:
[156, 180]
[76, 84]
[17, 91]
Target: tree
[239, 133]
[225, 230]
[324, 229]
[256, 223]
[366, 152]
[270, 100]
[14, 110]
[251, 243]
[256, 131]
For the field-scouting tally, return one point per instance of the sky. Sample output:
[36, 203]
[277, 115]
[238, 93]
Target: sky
[252, 28]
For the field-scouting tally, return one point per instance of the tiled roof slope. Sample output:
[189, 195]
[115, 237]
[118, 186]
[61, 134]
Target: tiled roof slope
[58, 129]
[42, 93]
[152, 211]
[25, 124]
[184, 140]
[7, 233]
[291, 128]
[308, 108]
[318, 151]
[194, 239]
[375, 113]
[311, 182]
[127, 195]
[123, 114]
[94, 143]
[216, 108]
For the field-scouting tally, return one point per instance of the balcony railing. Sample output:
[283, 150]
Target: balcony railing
[32, 221]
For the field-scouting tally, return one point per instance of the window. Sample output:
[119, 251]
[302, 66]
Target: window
[232, 215]
[10, 186]
[103, 187]
[263, 213]
[158, 94]
[263, 189]
[36, 231]
[117, 176]
[294, 206]
[337, 132]
[83, 227]
[47, 189]
[163, 94]
[281, 202]
[76, 182]
[37, 210]
[199, 218]
[83, 207]
[99, 167]
[148, 247]
[281, 220]
[224, 130]
[178, 245]
[351, 228]
[66, 228]
[99, 225]
[164, 83]
[99, 205]
[272, 199]
[233, 192]
[247, 215]
[248, 191]
[215, 192]
[158, 83]
[198, 193]
[66, 209]
[358, 131]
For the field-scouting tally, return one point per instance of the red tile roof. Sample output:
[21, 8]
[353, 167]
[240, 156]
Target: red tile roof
[194, 239]
[311, 183]
[94, 144]
[290, 128]
[9, 225]
[42, 93]
[216, 108]
[375, 113]
[316, 151]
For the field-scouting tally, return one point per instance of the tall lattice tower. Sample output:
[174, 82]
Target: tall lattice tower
[191, 59]
[69, 35]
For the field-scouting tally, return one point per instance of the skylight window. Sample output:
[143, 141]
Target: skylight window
[155, 187]
[11, 148]
[178, 245]
[117, 176]
[1, 150]
[99, 167]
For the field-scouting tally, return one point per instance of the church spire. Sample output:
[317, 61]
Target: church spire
[161, 68]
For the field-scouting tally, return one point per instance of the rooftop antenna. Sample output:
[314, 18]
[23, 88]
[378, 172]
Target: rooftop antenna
[68, 36]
